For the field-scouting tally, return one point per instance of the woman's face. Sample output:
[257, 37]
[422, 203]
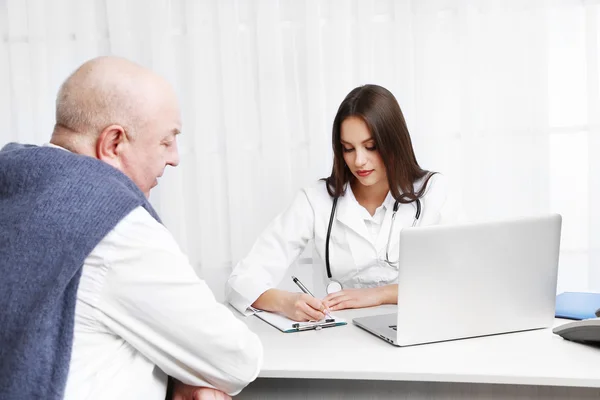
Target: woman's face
[361, 154]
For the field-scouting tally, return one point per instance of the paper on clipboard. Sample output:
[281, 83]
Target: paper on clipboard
[287, 325]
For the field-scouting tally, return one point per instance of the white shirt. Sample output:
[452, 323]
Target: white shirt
[142, 313]
[356, 249]
[372, 222]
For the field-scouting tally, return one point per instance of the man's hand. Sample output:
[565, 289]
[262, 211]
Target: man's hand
[181, 391]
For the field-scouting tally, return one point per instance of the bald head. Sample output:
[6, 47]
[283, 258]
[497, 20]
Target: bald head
[106, 91]
[121, 113]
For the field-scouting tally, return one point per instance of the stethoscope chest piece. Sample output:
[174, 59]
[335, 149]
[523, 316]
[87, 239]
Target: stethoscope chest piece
[333, 287]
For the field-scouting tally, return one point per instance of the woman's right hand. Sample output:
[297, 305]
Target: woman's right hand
[296, 306]
[302, 307]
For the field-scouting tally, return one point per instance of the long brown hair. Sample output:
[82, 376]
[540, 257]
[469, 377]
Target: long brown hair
[378, 108]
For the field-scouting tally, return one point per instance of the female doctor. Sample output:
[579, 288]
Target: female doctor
[354, 216]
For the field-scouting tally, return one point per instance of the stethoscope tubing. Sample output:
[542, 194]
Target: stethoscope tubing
[395, 209]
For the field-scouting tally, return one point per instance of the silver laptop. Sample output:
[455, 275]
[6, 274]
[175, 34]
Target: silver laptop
[462, 281]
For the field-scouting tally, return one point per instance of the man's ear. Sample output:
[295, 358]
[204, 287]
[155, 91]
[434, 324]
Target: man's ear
[110, 144]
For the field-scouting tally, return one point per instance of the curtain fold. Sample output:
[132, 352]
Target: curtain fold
[503, 97]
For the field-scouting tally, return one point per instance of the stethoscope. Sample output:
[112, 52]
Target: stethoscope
[335, 286]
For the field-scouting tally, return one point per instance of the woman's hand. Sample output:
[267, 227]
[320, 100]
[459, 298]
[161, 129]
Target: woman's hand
[296, 306]
[359, 298]
[302, 307]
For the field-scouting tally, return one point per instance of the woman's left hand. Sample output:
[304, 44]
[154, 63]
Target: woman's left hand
[354, 298]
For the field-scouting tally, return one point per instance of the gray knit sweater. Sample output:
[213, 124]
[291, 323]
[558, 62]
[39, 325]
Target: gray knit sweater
[55, 207]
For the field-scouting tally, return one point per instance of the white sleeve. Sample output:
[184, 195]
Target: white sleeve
[440, 204]
[154, 301]
[272, 254]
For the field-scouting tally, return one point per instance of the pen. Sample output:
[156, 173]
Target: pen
[305, 290]
[301, 286]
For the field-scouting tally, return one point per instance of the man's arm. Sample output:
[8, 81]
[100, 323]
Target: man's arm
[154, 301]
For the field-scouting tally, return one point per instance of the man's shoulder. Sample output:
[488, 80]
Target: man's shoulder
[74, 196]
[140, 229]
[52, 172]
[16, 146]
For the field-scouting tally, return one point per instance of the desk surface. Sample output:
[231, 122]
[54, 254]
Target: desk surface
[348, 352]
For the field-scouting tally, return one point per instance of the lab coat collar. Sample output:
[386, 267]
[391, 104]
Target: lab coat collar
[349, 212]
[389, 201]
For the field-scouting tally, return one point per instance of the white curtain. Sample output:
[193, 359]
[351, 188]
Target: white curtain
[501, 96]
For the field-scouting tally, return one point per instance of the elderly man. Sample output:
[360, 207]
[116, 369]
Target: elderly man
[97, 299]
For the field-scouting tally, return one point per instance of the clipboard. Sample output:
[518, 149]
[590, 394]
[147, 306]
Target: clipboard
[287, 325]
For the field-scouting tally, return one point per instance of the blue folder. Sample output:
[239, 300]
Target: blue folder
[577, 305]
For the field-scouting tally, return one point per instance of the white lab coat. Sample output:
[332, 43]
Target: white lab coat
[356, 259]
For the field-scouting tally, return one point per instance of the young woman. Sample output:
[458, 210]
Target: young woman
[354, 216]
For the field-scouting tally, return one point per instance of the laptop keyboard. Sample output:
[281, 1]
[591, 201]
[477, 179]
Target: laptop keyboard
[394, 327]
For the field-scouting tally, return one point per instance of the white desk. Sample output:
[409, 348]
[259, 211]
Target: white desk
[350, 363]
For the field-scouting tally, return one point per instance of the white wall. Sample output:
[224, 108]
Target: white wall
[501, 96]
